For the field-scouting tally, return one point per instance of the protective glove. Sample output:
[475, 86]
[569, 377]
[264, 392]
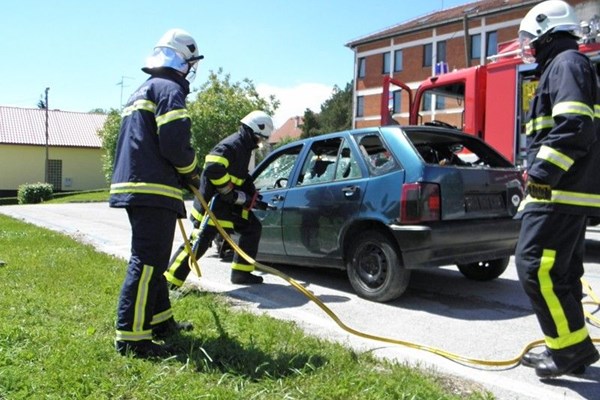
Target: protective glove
[538, 190]
[191, 179]
[233, 196]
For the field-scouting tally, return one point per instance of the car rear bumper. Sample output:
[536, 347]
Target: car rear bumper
[456, 242]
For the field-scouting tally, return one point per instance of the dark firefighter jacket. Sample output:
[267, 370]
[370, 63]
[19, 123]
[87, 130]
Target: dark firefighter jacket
[563, 134]
[227, 162]
[153, 148]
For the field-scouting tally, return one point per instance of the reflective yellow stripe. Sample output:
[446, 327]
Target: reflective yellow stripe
[555, 157]
[171, 116]
[242, 267]
[196, 214]
[566, 198]
[225, 224]
[172, 279]
[597, 111]
[547, 291]
[538, 124]
[245, 213]
[572, 107]
[237, 181]
[570, 339]
[222, 181]
[189, 168]
[134, 336]
[162, 317]
[146, 188]
[216, 159]
[139, 105]
[139, 315]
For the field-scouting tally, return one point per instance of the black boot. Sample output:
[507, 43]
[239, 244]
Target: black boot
[143, 349]
[531, 360]
[571, 361]
[244, 278]
[169, 328]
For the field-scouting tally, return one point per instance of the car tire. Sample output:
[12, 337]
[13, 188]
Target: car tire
[374, 268]
[484, 270]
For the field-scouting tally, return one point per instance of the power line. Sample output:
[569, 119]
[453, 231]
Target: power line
[122, 84]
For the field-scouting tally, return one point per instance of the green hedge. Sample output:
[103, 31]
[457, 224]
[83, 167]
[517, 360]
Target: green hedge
[33, 193]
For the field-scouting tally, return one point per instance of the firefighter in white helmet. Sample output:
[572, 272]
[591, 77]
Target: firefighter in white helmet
[226, 178]
[154, 161]
[563, 187]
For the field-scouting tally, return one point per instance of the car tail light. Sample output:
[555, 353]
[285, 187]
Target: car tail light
[420, 202]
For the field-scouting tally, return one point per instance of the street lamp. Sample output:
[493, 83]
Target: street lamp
[46, 169]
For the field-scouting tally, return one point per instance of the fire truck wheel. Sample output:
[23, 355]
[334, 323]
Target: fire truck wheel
[484, 270]
[374, 269]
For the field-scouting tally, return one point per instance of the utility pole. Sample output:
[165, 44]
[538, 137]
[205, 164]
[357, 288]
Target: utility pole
[46, 164]
[122, 84]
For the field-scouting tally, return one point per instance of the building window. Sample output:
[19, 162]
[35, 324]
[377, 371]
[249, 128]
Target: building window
[426, 105]
[441, 51]
[361, 67]
[55, 174]
[398, 61]
[397, 101]
[427, 55]
[476, 47]
[386, 63]
[491, 44]
[360, 106]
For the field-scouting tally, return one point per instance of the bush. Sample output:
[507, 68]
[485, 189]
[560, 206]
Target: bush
[32, 193]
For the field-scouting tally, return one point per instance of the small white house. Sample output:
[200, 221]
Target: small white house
[69, 144]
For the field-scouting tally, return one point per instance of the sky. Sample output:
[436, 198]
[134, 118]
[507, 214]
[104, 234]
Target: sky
[89, 53]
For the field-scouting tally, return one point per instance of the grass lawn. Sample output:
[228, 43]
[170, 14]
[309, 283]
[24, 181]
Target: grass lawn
[57, 316]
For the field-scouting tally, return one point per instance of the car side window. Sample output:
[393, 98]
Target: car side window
[347, 165]
[277, 173]
[378, 158]
[320, 163]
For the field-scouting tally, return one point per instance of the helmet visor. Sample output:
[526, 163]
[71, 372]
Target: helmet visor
[526, 40]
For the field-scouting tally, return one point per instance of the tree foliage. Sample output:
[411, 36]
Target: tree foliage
[109, 134]
[335, 115]
[219, 106]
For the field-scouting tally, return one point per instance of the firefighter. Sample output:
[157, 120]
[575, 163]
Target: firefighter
[225, 177]
[153, 161]
[563, 187]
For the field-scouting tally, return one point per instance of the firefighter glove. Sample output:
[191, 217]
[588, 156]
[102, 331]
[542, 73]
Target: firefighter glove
[538, 190]
[191, 179]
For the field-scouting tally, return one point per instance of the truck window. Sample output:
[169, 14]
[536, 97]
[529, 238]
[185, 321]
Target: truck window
[444, 105]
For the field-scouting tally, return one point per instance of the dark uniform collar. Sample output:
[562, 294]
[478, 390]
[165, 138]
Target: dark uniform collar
[560, 42]
[169, 73]
[248, 137]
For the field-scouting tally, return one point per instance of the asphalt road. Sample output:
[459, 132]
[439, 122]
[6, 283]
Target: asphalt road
[441, 309]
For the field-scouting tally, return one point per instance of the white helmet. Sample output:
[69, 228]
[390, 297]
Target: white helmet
[546, 17]
[260, 122]
[175, 49]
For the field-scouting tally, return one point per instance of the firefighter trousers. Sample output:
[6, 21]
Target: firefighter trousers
[144, 299]
[549, 258]
[243, 222]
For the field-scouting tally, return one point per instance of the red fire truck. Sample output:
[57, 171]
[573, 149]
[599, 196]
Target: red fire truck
[490, 101]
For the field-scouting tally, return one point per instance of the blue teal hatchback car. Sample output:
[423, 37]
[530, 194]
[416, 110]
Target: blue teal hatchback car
[379, 202]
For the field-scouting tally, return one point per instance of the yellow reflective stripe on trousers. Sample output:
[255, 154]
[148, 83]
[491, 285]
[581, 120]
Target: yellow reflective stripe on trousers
[572, 107]
[211, 158]
[134, 336]
[224, 223]
[538, 124]
[139, 316]
[189, 168]
[171, 116]
[597, 111]
[242, 267]
[565, 336]
[146, 105]
[162, 317]
[557, 158]
[146, 188]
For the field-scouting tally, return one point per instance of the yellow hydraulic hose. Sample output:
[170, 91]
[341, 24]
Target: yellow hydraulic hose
[451, 356]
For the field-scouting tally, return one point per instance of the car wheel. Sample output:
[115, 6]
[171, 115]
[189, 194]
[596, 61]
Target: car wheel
[484, 270]
[374, 269]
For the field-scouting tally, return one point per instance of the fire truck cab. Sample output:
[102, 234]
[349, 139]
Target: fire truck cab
[490, 101]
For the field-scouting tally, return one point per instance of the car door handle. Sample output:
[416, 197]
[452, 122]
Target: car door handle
[277, 198]
[350, 190]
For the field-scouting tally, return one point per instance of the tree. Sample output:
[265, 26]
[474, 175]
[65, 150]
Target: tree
[335, 115]
[109, 134]
[218, 108]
